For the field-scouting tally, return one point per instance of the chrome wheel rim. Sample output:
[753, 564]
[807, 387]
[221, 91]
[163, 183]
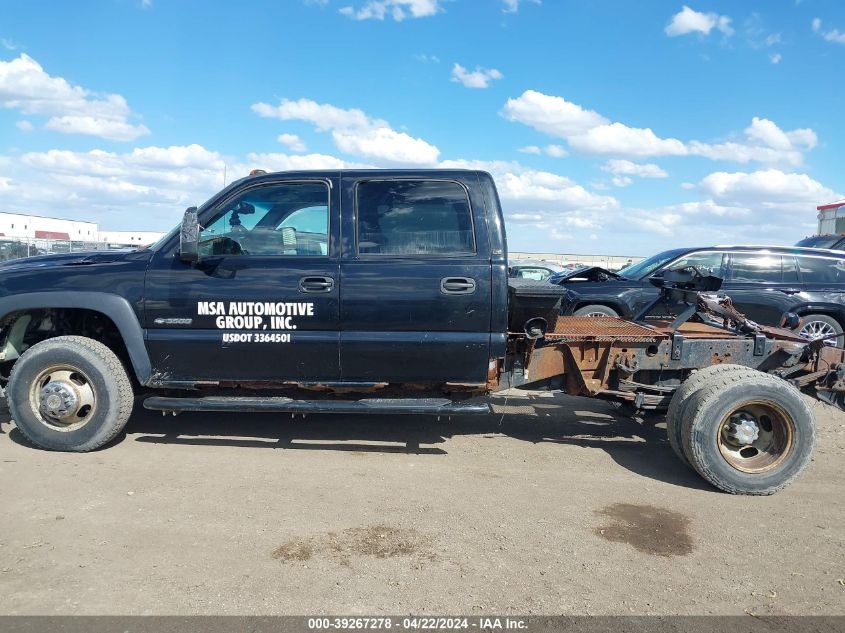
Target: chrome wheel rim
[756, 437]
[597, 314]
[63, 398]
[817, 329]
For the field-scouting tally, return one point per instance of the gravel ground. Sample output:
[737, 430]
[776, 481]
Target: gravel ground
[553, 505]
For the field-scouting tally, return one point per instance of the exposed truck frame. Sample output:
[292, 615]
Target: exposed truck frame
[598, 356]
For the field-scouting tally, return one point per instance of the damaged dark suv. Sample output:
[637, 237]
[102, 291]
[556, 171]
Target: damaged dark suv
[763, 282]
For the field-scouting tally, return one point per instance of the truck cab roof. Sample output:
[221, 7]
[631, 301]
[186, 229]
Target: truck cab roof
[390, 173]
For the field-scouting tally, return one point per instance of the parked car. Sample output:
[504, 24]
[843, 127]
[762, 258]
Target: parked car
[832, 242]
[764, 282]
[536, 269]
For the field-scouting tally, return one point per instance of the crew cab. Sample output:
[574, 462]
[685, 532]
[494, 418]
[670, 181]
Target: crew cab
[385, 291]
[319, 280]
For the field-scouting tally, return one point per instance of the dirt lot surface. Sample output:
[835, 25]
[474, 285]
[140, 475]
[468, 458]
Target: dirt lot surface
[561, 506]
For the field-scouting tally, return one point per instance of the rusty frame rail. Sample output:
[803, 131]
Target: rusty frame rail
[644, 362]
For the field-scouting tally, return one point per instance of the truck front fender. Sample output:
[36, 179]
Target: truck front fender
[113, 306]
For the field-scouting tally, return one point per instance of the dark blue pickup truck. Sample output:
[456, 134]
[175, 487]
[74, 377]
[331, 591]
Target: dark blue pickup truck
[384, 292]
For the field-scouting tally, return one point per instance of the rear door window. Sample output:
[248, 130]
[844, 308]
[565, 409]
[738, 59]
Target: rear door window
[822, 270]
[762, 268]
[414, 217]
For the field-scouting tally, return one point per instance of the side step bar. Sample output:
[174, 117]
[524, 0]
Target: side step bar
[417, 406]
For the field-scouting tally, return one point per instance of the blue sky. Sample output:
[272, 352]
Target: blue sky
[611, 127]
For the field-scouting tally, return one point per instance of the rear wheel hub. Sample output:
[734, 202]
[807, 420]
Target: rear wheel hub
[742, 429]
[756, 437]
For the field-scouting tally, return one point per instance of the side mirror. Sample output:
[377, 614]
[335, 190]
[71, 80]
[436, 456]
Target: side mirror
[189, 236]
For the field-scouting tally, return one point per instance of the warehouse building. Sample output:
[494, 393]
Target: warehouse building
[27, 228]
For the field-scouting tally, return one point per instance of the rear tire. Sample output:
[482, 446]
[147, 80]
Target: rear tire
[595, 310]
[678, 405]
[69, 393]
[753, 436]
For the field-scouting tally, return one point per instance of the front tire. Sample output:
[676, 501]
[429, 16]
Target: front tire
[595, 311]
[69, 393]
[749, 434]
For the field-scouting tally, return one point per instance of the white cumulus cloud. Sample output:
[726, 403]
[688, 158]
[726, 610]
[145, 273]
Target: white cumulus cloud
[769, 187]
[767, 206]
[832, 35]
[532, 191]
[621, 140]
[767, 133]
[589, 132]
[764, 142]
[690, 21]
[555, 151]
[478, 78]
[292, 142]
[628, 168]
[396, 9]
[354, 132]
[146, 188]
[25, 86]
[550, 114]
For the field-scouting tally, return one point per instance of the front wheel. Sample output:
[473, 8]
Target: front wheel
[748, 434]
[595, 311]
[69, 393]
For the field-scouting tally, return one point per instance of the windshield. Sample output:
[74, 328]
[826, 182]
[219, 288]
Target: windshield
[648, 266]
[820, 241]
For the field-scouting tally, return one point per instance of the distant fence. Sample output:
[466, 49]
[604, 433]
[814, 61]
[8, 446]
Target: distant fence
[611, 262]
[16, 248]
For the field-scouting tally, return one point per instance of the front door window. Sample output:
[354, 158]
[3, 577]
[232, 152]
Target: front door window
[707, 263]
[280, 219]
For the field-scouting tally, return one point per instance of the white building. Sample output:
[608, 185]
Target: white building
[35, 227]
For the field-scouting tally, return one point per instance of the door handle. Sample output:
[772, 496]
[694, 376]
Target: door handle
[457, 285]
[789, 291]
[316, 284]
